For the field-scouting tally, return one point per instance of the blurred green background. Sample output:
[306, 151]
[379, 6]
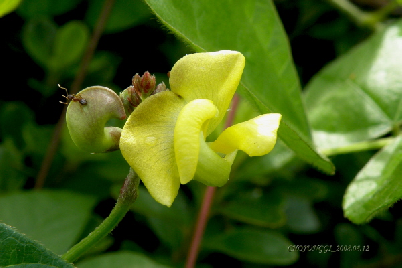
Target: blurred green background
[270, 203]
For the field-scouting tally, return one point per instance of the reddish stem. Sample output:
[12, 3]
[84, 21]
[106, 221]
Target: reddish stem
[232, 112]
[206, 205]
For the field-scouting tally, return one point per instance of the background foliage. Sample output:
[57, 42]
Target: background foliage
[334, 82]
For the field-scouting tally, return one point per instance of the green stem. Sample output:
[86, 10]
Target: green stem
[359, 146]
[128, 194]
[351, 10]
[382, 13]
[366, 19]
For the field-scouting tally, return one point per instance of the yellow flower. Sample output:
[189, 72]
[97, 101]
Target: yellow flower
[163, 140]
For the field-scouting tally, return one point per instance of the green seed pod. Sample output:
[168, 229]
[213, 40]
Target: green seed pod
[87, 115]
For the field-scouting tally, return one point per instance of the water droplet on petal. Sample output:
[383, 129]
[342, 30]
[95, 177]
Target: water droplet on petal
[150, 140]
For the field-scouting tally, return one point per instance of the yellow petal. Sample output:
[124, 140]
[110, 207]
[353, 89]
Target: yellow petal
[212, 169]
[147, 145]
[192, 120]
[212, 75]
[255, 137]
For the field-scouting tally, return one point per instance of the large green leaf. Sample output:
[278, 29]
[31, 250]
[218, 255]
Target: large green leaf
[265, 247]
[121, 260]
[358, 96]
[16, 248]
[54, 218]
[269, 80]
[377, 186]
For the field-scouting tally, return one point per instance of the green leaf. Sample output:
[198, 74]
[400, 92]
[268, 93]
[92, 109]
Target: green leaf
[113, 167]
[170, 224]
[36, 137]
[377, 186]
[254, 245]
[16, 248]
[306, 188]
[256, 207]
[301, 217]
[38, 38]
[55, 218]
[358, 96]
[269, 80]
[179, 212]
[7, 6]
[52, 47]
[168, 232]
[69, 45]
[42, 8]
[121, 260]
[125, 14]
[13, 117]
[102, 68]
[12, 177]
[256, 168]
[347, 235]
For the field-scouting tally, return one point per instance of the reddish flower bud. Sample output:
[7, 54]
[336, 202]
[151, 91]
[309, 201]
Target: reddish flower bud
[142, 87]
[136, 82]
[147, 83]
[133, 97]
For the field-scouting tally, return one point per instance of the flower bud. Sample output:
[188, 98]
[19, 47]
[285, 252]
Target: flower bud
[124, 96]
[159, 88]
[136, 82]
[133, 97]
[144, 85]
[130, 99]
[86, 120]
[148, 83]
